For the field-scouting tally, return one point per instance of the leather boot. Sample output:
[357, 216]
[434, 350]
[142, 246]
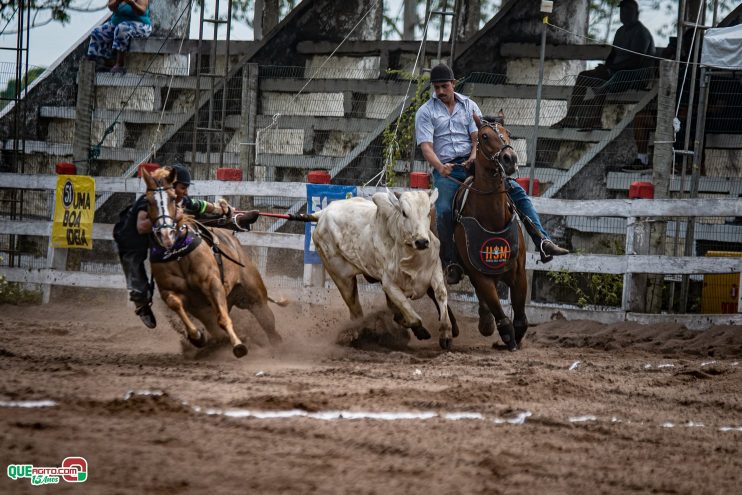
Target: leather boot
[548, 250]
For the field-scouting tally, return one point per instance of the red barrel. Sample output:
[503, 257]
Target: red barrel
[641, 190]
[151, 167]
[419, 180]
[525, 183]
[318, 177]
[229, 174]
[65, 168]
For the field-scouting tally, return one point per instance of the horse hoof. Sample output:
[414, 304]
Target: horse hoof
[200, 341]
[446, 344]
[487, 326]
[421, 332]
[240, 350]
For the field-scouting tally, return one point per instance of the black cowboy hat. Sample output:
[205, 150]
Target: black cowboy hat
[441, 73]
[182, 175]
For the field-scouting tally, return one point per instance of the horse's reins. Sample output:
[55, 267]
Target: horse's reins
[499, 171]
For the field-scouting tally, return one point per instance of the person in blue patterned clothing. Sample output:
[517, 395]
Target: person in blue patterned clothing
[447, 136]
[130, 20]
[134, 228]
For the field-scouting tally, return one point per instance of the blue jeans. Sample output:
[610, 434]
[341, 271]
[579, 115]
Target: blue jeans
[444, 209]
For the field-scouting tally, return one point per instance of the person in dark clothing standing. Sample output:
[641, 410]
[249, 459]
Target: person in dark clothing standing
[132, 235]
[623, 70]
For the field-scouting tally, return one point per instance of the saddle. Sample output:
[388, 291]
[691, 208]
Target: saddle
[490, 253]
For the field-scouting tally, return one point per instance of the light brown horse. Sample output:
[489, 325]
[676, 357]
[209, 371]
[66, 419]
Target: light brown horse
[488, 235]
[193, 282]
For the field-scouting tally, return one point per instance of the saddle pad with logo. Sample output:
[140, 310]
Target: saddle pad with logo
[491, 253]
[185, 245]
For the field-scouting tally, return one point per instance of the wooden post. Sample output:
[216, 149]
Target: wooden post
[410, 20]
[265, 17]
[83, 116]
[635, 284]
[248, 117]
[662, 160]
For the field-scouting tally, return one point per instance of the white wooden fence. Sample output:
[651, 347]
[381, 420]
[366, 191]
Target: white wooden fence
[632, 210]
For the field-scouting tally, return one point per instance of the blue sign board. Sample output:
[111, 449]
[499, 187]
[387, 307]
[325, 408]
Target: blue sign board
[318, 197]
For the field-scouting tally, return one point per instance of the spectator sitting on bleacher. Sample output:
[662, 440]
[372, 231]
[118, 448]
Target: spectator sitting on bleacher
[623, 70]
[130, 20]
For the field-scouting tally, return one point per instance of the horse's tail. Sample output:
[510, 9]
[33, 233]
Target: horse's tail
[281, 301]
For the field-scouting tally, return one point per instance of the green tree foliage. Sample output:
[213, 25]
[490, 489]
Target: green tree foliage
[10, 89]
[399, 136]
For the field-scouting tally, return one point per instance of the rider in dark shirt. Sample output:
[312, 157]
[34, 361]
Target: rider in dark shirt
[624, 69]
[133, 231]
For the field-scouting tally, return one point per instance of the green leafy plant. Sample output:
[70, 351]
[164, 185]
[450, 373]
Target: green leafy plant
[399, 136]
[592, 289]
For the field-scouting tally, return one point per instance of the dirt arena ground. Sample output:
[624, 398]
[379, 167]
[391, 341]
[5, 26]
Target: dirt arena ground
[583, 408]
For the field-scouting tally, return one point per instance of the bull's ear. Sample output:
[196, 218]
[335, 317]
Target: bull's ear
[394, 200]
[433, 196]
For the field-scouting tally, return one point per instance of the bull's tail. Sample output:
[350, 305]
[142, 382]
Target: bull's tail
[281, 301]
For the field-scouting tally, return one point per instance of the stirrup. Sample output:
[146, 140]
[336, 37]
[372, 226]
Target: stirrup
[545, 258]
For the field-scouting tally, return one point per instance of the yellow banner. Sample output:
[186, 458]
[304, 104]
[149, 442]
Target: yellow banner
[74, 206]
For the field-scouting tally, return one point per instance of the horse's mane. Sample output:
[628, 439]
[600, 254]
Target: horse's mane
[161, 173]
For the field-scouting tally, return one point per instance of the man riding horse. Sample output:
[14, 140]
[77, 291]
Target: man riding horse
[133, 231]
[447, 135]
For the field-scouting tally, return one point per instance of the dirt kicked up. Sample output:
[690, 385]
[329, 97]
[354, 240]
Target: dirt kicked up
[582, 408]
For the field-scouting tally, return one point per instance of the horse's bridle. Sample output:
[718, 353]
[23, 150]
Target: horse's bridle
[496, 156]
[163, 221]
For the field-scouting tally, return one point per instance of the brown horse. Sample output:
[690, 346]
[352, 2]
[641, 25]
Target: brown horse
[488, 237]
[189, 276]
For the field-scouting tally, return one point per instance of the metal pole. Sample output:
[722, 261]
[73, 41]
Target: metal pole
[197, 97]
[532, 154]
[689, 118]
[676, 72]
[442, 28]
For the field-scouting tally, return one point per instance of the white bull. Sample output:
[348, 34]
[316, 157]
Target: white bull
[387, 240]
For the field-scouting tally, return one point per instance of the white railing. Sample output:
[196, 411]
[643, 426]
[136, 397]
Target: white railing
[631, 210]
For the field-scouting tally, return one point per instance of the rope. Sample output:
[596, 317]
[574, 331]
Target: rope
[155, 141]
[382, 175]
[94, 152]
[277, 115]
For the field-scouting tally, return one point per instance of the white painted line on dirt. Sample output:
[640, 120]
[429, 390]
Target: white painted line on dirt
[582, 419]
[574, 366]
[462, 415]
[706, 363]
[693, 424]
[27, 404]
[418, 372]
[668, 425]
[145, 393]
[351, 415]
[518, 420]
[730, 428]
[261, 373]
[616, 420]
[666, 365]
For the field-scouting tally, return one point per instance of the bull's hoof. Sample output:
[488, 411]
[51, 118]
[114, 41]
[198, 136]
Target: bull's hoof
[446, 344]
[240, 350]
[200, 341]
[420, 332]
[486, 323]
